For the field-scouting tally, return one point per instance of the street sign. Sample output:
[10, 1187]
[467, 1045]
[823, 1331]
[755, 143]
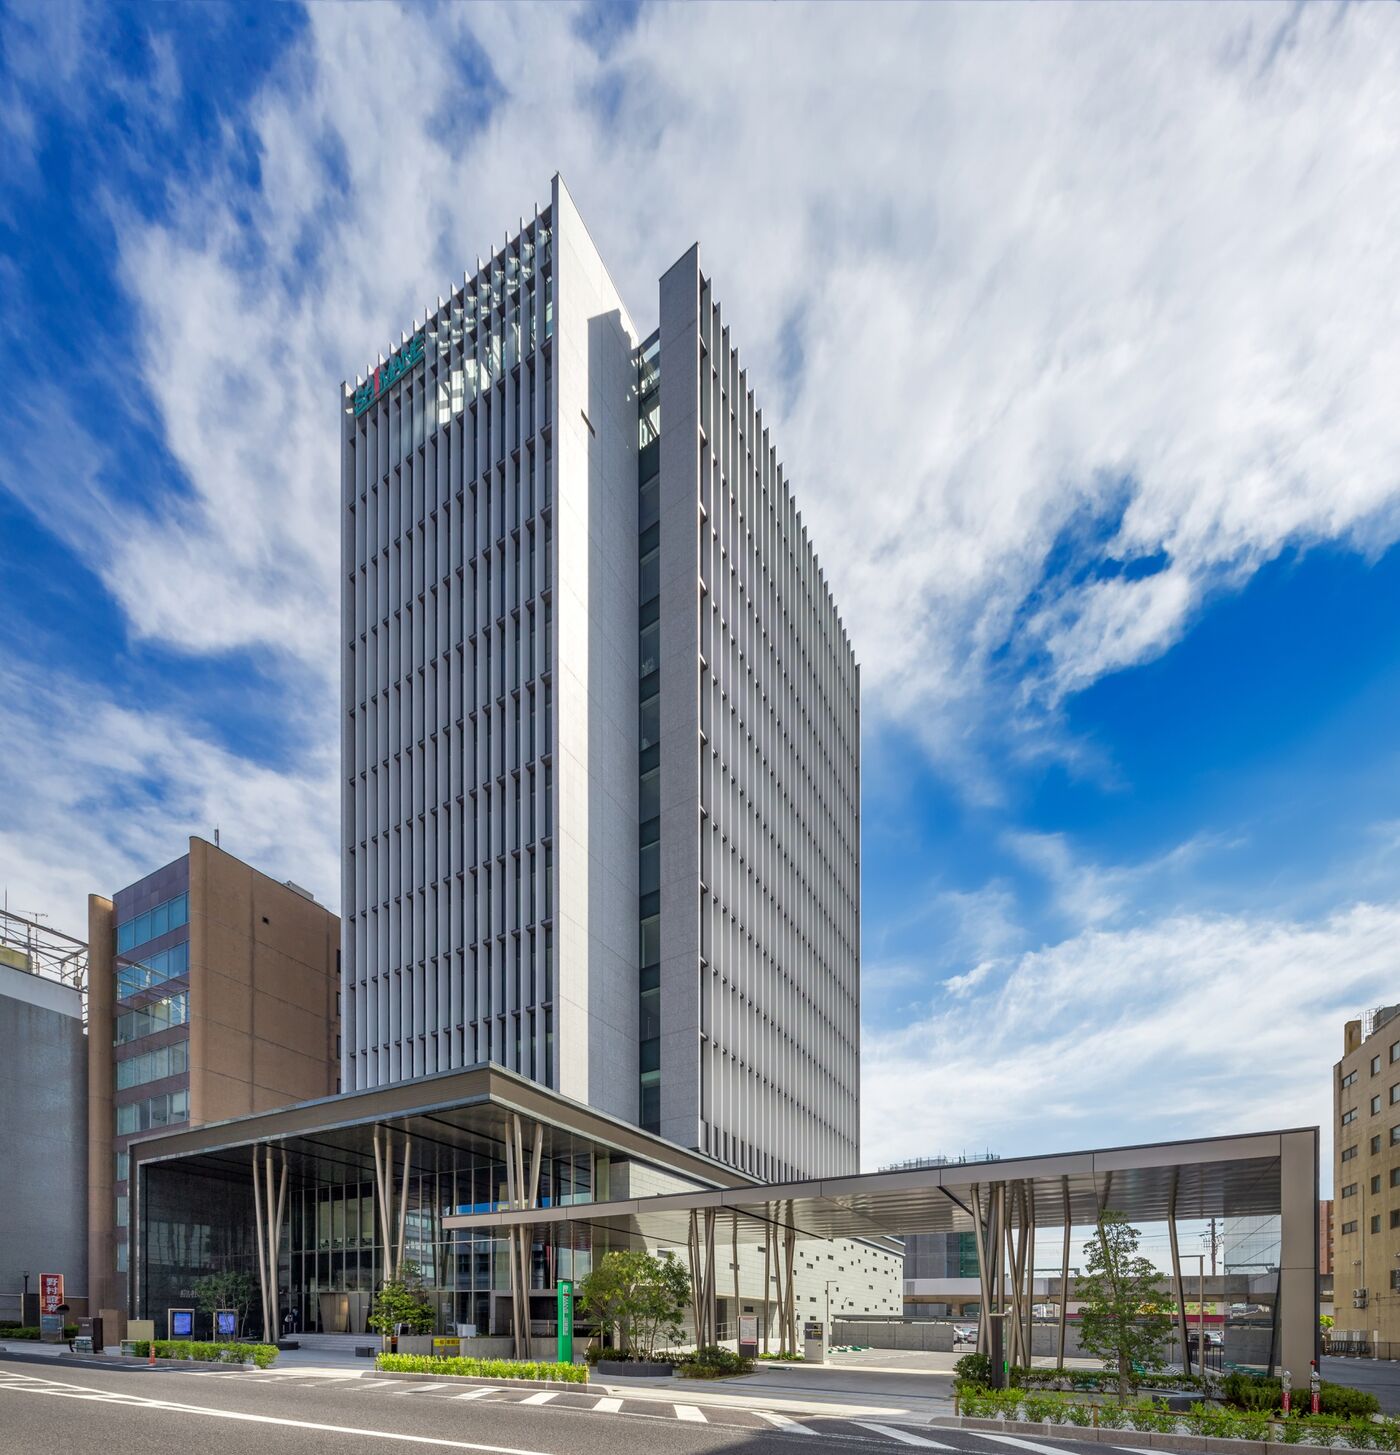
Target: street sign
[50, 1292]
[566, 1321]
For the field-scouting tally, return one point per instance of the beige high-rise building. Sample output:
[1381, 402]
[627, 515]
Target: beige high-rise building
[214, 992]
[1366, 1179]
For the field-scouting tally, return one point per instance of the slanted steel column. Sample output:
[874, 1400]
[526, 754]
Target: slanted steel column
[1028, 1206]
[261, 1233]
[1064, 1279]
[1177, 1288]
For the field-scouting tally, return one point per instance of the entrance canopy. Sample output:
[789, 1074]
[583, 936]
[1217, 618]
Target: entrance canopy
[1211, 1177]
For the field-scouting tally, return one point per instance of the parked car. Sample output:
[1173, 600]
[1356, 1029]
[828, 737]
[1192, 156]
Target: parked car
[1214, 1338]
[964, 1334]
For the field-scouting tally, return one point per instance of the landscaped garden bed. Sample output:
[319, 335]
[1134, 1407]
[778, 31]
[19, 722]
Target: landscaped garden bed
[534, 1370]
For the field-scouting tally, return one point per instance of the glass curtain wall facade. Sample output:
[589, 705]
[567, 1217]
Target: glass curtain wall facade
[150, 1031]
[649, 759]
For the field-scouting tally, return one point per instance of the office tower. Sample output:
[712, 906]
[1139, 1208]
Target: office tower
[601, 720]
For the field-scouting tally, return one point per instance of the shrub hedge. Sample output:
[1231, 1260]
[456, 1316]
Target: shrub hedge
[263, 1355]
[714, 1362]
[1264, 1392]
[482, 1368]
[1357, 1432]
[28, 1331]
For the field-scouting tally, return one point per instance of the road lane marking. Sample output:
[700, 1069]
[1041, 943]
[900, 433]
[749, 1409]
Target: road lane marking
[478, 1393]
[691, 1412]
[607, 1406]
[52, 1387]
[787, 1426]
[902, 1435]
[543, 1397]
[423, 1388]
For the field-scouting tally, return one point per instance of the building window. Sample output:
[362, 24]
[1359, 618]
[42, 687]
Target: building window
[1375, 1184]
[1349, 1190]
[176, 912]
[1395, 1278]
[1376, 1102]
[1375, 1146]
[1376, 1223]
[121, 1257]
[1394, 1137]
[1375, 1065]
[155, 1111]
[1395, 1217]
[121, 1210]
[1348, 1117]
[1349, 1227]
[153, 969]
[172, 1060]
[123, 1165]
[1349, 1079]
[1348, 1153]
[1395, 1050]
[1395, 1176]
[160, 1015]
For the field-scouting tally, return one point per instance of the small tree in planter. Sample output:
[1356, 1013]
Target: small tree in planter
[1122, 1320]
[641, 1296]
[228, 1289]
[402, 1303]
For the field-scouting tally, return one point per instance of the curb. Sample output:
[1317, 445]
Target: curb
[503, 1383]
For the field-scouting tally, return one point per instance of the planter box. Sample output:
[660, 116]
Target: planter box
[633, 1369]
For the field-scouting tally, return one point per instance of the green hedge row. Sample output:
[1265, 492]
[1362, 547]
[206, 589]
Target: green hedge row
[482, 1368]
[28, 1331]
[263, 1355]
[1356, 1433]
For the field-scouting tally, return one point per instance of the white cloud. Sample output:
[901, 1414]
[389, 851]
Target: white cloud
[1189, 1025]
[95, 794]
[1127, 271]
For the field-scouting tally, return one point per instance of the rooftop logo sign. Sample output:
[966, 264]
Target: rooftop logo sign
[387, 375]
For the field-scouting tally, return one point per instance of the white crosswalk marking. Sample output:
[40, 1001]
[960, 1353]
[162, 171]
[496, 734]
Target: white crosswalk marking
[786, 1425]
[903, 1436]
[691, 1412]
[1019, 1444]
[423, 1388]
[607, 1406]
[479, 1393]
[543, 1397]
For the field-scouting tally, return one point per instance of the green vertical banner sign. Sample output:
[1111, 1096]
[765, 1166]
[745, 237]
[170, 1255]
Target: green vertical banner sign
[566, 1321]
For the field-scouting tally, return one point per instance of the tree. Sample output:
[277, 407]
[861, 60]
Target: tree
[1122, 1319]
[228, 1289]
[402, 1302]
[642, 1296]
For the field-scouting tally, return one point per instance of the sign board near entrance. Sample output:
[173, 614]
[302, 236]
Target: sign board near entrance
[50, 1292]
[748, 1336]
[566, 1321]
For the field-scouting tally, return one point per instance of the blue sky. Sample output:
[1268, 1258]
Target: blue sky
[1078, 332]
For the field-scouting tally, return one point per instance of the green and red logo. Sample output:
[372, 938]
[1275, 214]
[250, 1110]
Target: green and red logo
[387, 375]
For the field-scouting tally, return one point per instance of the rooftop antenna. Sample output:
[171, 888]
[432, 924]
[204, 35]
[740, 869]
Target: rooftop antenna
[216, 836]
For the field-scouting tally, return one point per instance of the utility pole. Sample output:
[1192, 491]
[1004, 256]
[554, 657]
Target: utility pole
[1213, 1240]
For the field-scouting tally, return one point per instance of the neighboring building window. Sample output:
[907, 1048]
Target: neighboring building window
[1349, 1190]
[1375, 1065]
[1376, 1101]
[1395, 1217]
[169, 916]
[1376, 1223]
[160, 1015]
[123, 1166]
[173, 1060]
[1395, 1050]
[1395, 1093]
[1349, 1227]
[1395, 1278]
[1349, 1079]
[153, 970]
[1375, 1145]
[155, 1111]
[121, 1209]
[1395, 1176]
[1348, 1153]
[121, 1257]
[1394, 1137]
[1348, 1117]
[1375, 1184]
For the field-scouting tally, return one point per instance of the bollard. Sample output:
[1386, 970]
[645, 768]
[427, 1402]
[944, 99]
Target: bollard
[152, 1360]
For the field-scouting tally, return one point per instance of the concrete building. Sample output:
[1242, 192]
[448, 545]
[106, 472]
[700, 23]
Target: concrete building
[43, 1132]
[1366, 1179]
[213, 994]
[601, 720]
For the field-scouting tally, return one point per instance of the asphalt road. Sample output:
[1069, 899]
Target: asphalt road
[93, 1410]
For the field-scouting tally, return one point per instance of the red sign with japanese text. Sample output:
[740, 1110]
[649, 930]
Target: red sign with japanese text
[50, 1292]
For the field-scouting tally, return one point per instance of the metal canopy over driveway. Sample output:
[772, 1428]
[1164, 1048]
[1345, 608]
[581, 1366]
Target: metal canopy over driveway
[1005, 1203]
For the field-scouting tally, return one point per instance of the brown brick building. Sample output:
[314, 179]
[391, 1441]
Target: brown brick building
[1366, 1179]
[213, 993]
